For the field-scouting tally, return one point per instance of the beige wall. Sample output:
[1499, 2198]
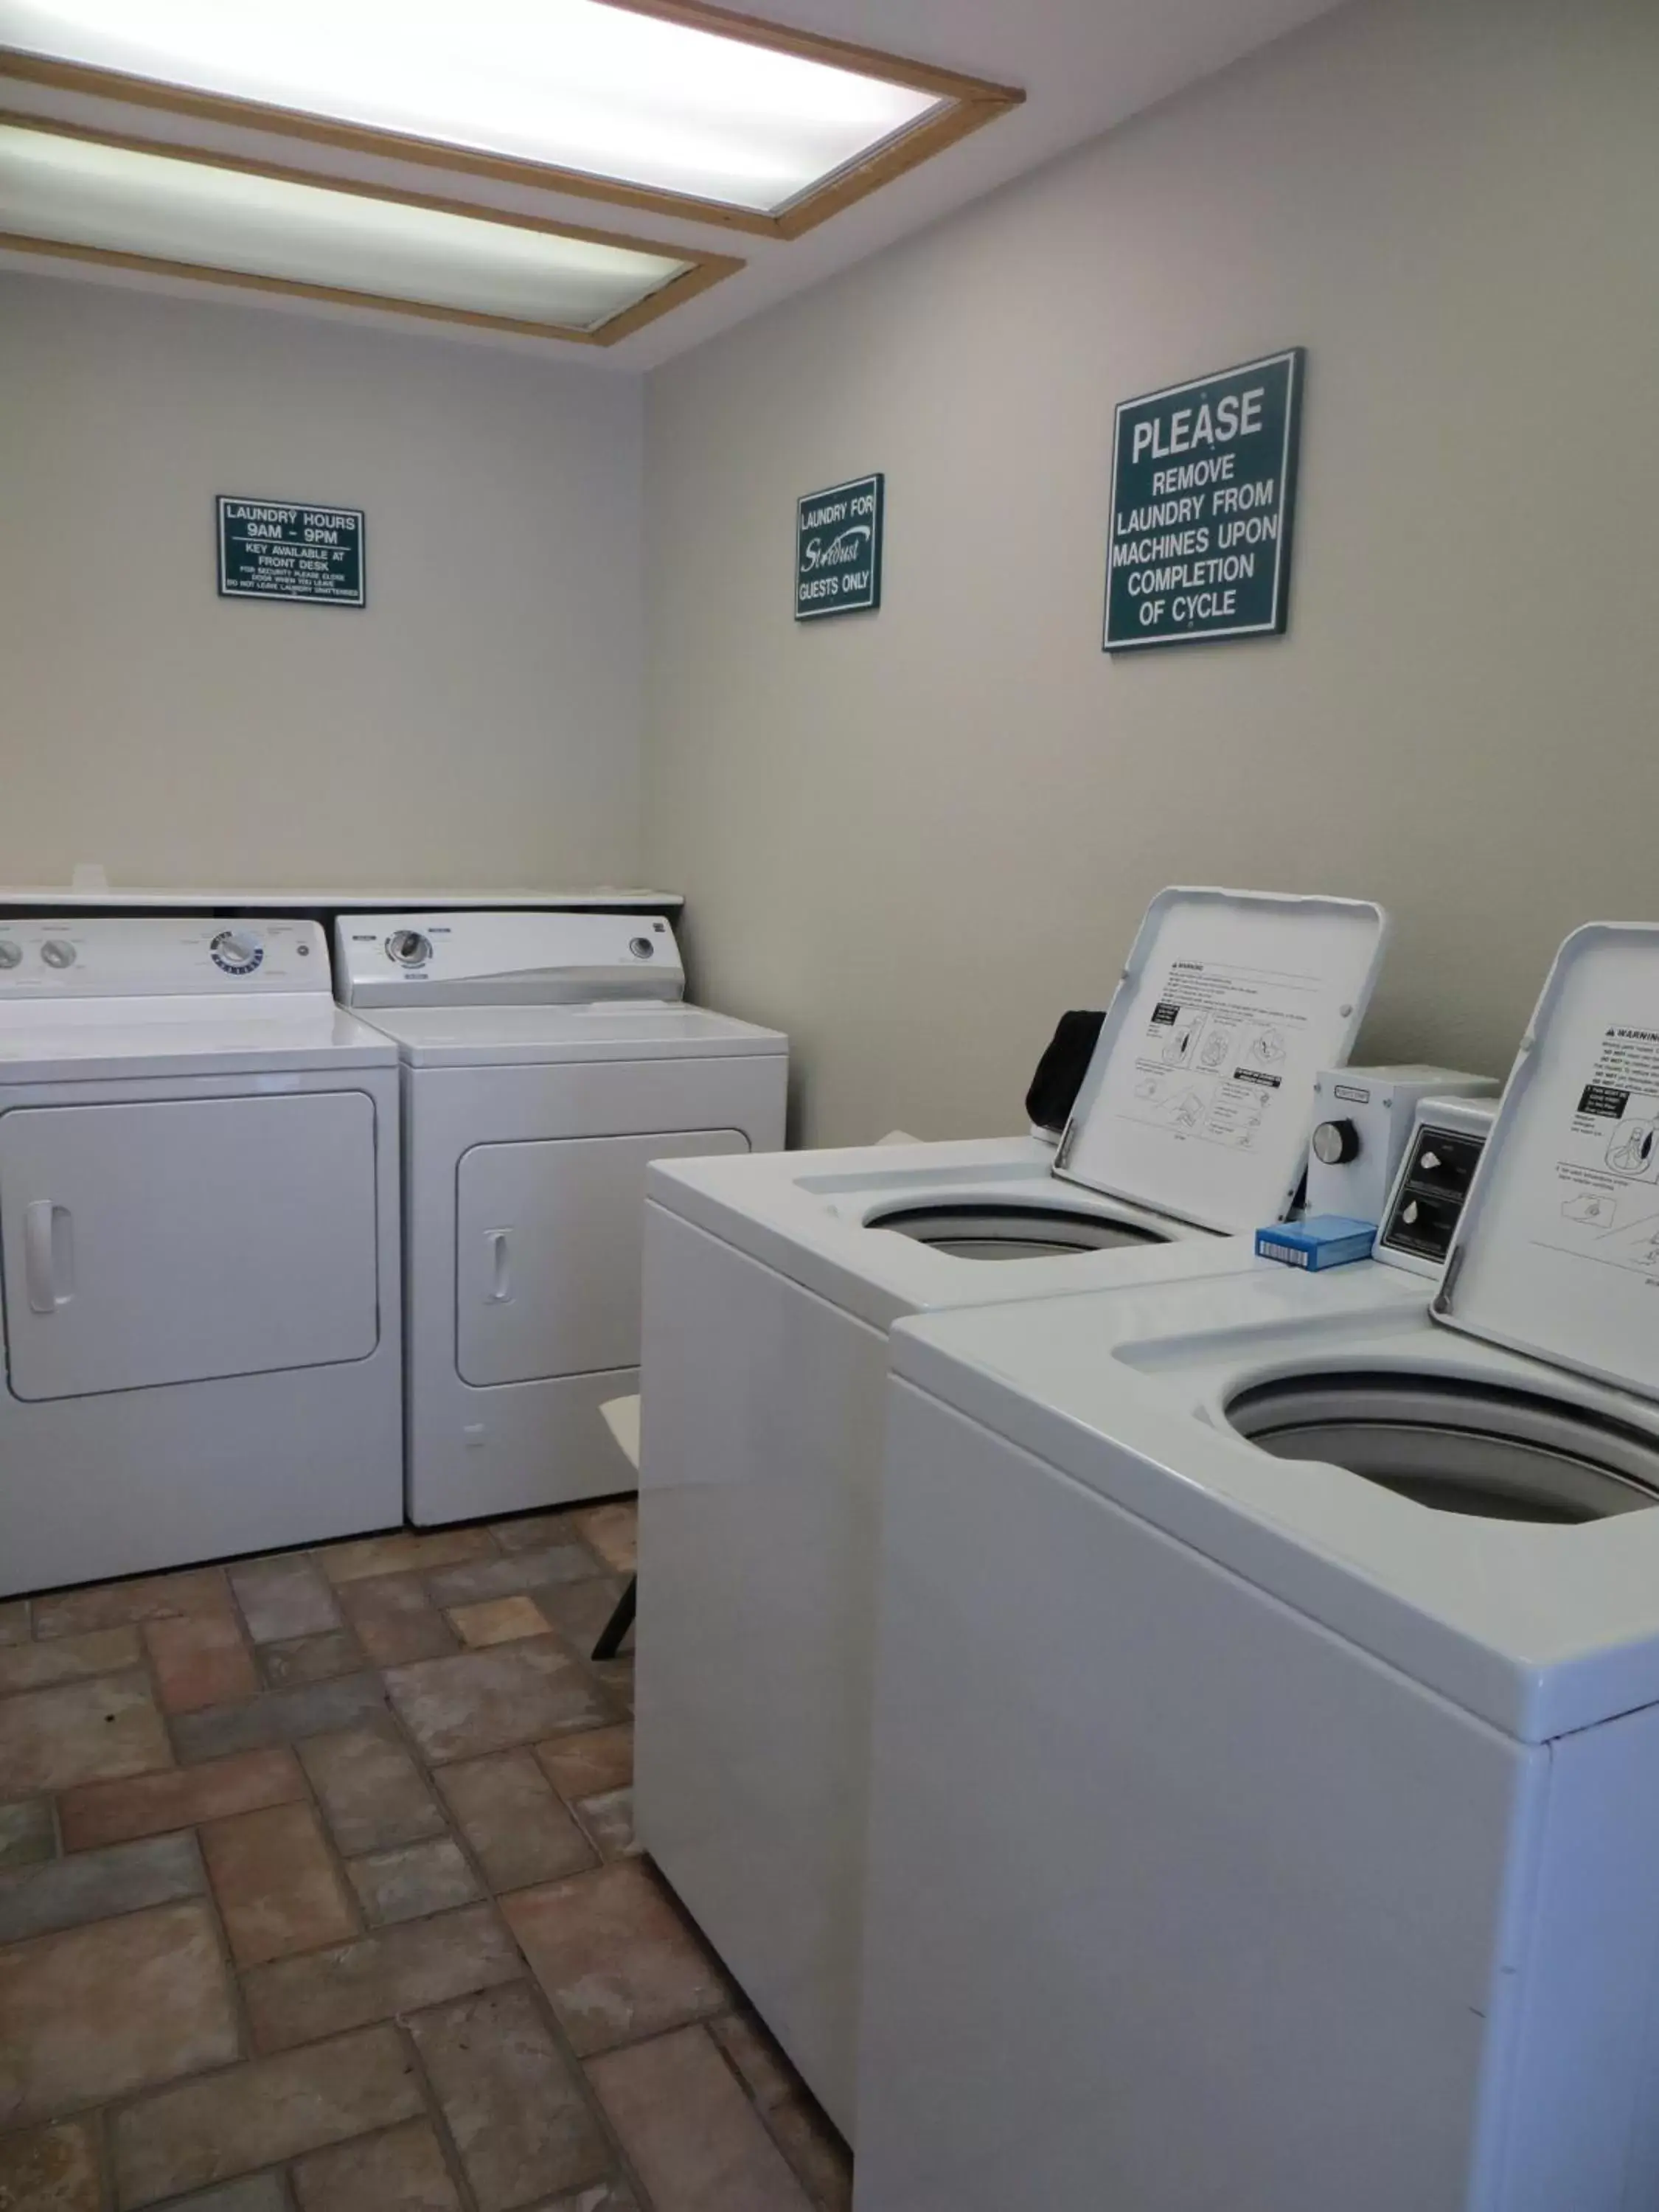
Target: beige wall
[914, 837]
[478, 723]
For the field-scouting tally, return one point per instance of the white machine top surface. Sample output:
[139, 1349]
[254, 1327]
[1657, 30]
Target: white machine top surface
[804, 1214]
[1557, 1253]
[1539, 1630]
[98, 893]
[500, 1036]
[1198, 1099]
[91, 997]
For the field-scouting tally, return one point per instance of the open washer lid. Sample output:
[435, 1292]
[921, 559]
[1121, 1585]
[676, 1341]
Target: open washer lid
[1557, 1253]
[1198, 1099]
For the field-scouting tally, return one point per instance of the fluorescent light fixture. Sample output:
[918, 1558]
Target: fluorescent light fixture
[117, 201]
[749, 119]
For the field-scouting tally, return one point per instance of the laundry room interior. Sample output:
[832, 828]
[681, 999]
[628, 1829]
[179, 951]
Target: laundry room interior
[829, 1106]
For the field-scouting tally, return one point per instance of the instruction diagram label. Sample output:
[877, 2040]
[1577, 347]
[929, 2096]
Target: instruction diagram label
[1203, 498]
[1221, 1045]
[278, 550]
[838, 535]
[1606, 1170]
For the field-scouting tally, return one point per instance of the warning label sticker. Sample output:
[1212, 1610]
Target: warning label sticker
[1606, 1170]
[1222, 1041]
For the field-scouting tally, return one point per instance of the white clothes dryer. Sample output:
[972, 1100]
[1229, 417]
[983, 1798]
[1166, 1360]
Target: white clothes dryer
[198, 1248]
[770, 1288]
[547, 1060]
[1266, 1749]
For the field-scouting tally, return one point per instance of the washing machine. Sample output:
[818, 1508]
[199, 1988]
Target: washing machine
[198, 1248]
[547, 1059]
[770, 1288]
[1266, 1794]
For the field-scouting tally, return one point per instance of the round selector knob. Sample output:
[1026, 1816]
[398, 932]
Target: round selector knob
[238, 951]
[11, 955]
[641, 948]
[408, 948]
[1335, 1143]
[58, 952]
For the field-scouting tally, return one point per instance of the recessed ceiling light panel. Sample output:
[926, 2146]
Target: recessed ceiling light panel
[612, 92]
[669, 102]
[115, 200]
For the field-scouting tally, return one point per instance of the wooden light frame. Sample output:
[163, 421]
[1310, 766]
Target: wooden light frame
[706, 269]
[975, 101]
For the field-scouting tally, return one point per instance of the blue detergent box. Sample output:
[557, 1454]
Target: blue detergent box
[1323, 1240]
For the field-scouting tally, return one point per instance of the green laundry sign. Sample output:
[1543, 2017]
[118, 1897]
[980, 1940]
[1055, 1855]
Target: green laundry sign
[276, 550]
[1203, 498]
[838, 549]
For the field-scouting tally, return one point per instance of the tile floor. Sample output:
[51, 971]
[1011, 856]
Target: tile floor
[318, 1893]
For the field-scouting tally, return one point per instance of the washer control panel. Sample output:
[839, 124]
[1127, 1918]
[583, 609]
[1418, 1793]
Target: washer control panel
[1362, 1118]
[473, 959]
[1447, 1136]
[99, 956]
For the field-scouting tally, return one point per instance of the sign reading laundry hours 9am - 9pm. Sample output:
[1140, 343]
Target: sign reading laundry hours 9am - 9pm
[1203, 497]
[272, 550]
[838, 549]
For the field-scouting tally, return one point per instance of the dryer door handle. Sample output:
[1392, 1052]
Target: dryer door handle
[48, 1255]
[500, 1274]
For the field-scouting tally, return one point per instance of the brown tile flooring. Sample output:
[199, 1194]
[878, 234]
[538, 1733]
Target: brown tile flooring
[318, 1893]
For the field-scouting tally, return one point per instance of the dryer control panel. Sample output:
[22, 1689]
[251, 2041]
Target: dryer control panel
[144, 957]
[1446, 1139]
[513, 959]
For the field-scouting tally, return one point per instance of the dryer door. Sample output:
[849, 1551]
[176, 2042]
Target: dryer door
[549, 1236]
[181, 1240]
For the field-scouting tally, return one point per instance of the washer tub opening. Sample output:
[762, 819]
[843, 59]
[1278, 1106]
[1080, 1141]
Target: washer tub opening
[1456, 1446]
[969, 1229]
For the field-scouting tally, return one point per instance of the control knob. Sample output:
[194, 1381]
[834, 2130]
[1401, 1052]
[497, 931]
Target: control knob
[10, 955]
[1335, 1143]
[58, 952]
[238, 951]
[641, 948]
[408, 948]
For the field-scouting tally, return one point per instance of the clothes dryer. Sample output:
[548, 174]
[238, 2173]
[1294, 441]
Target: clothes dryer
[198, 1248]
[547, 1060]
[1266, 1790]
[770, 1288]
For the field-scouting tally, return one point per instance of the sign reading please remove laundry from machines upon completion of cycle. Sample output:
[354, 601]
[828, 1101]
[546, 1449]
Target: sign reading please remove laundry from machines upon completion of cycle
[1203, 497]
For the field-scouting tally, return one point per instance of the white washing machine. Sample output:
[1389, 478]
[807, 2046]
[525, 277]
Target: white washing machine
[1267, 1754]
[198, 1248]
[547, 1059]
[770, 1287]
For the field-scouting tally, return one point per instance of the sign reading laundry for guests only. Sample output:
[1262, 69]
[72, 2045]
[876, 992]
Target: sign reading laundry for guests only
[838, 549]
[1203, 497]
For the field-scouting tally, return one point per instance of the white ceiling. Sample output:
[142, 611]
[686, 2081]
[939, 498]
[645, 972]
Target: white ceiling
[1083, 65]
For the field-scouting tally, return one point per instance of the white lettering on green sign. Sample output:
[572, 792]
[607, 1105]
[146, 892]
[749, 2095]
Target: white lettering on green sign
[838, 535]
[269, 551]
[1203, 493]
[1235, 415]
